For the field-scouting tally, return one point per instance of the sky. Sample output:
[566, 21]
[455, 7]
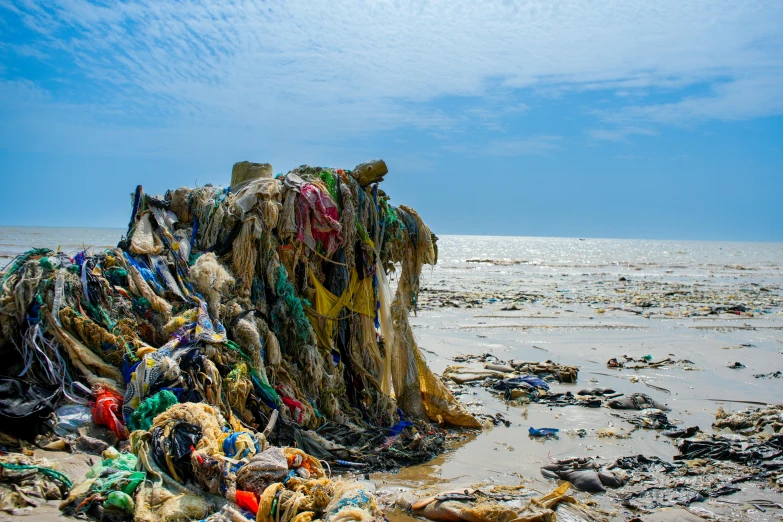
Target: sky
[624, 118]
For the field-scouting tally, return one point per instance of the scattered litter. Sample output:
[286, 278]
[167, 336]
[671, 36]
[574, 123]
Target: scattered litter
[751, 420]
[640, 363]
[596, 391]
[584, 474]
[772, 375]
[636, 401]
[543, 432]
[765, 453]
[613, 433]
[558, 372]
[27, 482]
[655, 498]
[642, 463]
[681, 433]
[651, 419]
[525, 382]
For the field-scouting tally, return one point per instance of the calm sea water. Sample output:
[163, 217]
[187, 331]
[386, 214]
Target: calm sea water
[487, 256]
[17, 240]
[493, 264]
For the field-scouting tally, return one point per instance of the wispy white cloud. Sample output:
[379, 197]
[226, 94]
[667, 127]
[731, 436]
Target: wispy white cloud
[740, 99]
[319, 70]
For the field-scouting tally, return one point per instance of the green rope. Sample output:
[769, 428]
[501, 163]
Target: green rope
[235, 347]
[45, 263]
[292, 305]
[151, 407]
[49, 472]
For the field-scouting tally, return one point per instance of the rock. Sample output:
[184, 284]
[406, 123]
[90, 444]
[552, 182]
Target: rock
[92, 431]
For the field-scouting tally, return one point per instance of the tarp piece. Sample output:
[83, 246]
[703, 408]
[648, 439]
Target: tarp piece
[24, 406]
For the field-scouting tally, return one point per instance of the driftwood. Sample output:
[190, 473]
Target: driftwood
[370, 172]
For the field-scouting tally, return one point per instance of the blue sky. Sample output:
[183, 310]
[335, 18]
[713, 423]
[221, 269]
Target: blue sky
[592, 119]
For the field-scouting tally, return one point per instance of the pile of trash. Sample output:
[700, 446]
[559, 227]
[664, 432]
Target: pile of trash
[238, 473]
[228, 328]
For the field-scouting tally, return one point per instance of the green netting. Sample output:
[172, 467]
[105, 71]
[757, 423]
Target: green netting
[116, 275]
[122, 462]
[331, 185]
[390, 215]
[291, 309]
[45, 263]
[120, 500]
[151, 407]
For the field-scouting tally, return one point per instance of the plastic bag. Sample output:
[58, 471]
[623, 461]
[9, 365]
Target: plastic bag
[543, 432]
[70, 418]
[106, 411]
[120, 500]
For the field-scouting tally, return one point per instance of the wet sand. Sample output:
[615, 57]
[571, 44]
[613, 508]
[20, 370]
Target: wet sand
[598, 317]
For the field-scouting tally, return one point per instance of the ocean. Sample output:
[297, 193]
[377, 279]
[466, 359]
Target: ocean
[17, 240]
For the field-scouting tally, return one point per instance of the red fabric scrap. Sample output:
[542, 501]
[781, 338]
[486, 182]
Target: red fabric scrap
[247, 500]
[106, 411]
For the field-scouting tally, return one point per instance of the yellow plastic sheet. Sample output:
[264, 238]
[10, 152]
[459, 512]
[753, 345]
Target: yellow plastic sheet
[439, 403]
[358, 297]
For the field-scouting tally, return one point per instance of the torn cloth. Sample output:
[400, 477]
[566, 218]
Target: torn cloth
[318, 218]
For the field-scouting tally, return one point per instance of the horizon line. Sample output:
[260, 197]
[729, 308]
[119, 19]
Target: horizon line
[579, 238]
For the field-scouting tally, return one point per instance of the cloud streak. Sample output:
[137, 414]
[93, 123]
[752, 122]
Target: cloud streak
[322, 70]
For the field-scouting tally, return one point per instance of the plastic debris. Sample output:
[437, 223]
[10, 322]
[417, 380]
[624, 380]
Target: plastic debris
[69, 418]
[584, 474]
[543, 432]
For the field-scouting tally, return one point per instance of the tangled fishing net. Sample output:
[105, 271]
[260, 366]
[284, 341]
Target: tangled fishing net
[229, 325]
